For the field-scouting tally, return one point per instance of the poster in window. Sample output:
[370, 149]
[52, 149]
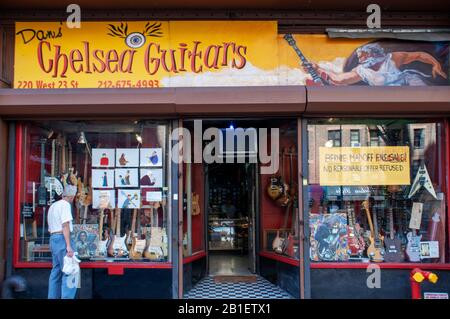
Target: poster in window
[129, 198]
[127, 157]
[103, 157]
[151, 177]
[85, 237]
[328, 239]
[103, 178]
[151, 157]
[127, 177]
[103, 199]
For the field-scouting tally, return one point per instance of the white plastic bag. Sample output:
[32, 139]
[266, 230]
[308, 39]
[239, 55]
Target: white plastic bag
[71, 265]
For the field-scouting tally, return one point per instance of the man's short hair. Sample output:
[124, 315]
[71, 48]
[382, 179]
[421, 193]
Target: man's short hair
[70, 190]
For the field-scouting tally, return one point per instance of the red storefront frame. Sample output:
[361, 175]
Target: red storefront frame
[114, 268]
[118, 267]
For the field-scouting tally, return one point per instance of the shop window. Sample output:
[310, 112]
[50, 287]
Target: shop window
[355, 138]
[419, 138]
[374, 138]
[378, 203]
[121, 209]
[279, 205]
[334, 138]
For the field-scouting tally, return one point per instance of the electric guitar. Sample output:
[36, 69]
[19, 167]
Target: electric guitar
[119, 247]
[154, 238]
[413, 246]
[102, 244]
[316, 79]
[137, 245]
[356, 243]
[393, 246]
[375, 250]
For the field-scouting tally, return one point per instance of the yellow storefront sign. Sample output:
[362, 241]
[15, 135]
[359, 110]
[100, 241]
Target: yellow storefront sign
[354, 166]
[143, 54]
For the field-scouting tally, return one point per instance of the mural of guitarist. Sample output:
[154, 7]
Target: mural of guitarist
[389, 64]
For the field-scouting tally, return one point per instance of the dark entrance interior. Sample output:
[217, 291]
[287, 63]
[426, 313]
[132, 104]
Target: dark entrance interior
[231, 203]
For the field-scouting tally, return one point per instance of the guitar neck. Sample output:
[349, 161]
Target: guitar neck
[100, 225]
[391, 223]
[133, 222]
[310, 69]
[369, 218]
[118, 213]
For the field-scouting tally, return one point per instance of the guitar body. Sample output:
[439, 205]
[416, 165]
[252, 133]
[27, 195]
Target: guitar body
[103, 248]
[413, 247]
[275, 187]
[278, 243]
[119, 246]
[375, 250]
[354, 244]
[137, 248]
[393, 250]
[154, 249]
[195, 204]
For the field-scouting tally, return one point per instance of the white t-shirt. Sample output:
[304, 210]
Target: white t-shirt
[59, 213]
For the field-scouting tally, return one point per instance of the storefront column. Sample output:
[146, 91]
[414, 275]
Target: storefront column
[3, 183]
[303, 212]
[176, 180]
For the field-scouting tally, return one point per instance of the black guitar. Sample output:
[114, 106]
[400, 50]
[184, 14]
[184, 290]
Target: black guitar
[317, 80]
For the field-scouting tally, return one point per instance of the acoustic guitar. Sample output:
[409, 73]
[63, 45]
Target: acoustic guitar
[375, 250]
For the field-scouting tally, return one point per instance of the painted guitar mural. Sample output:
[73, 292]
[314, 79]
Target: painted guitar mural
[316, 79]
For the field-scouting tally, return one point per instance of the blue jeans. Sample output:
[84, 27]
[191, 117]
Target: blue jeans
[58, 285]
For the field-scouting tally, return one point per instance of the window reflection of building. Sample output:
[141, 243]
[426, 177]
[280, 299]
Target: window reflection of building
[422, 135]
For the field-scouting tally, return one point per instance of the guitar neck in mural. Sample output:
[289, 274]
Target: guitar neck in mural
[317, 80]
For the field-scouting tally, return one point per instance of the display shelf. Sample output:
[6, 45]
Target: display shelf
[194, 257]
[281, 258]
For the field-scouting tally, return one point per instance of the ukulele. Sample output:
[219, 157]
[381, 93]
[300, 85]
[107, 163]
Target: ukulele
[375, 250]
[393, 246]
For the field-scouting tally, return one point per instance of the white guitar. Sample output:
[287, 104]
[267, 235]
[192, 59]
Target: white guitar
[119, 246]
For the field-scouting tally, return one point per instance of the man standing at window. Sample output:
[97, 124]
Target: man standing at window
[60, 227]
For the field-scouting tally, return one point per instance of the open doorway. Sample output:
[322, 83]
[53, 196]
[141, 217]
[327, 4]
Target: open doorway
[231, 205]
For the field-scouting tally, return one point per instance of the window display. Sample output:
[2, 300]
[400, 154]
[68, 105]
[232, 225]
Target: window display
[377, 202]
[120, 169]
[279, 198]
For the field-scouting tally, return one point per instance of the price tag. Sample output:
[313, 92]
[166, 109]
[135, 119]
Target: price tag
[27, 211]
[416, 216]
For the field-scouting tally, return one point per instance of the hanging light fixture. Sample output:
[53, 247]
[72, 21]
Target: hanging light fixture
[139, 138]
[82, 138]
